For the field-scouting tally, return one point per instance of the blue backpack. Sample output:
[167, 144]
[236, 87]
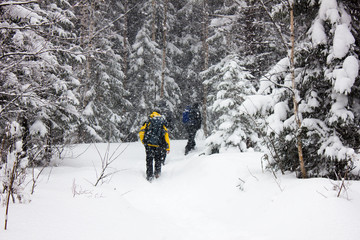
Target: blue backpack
[186, 115]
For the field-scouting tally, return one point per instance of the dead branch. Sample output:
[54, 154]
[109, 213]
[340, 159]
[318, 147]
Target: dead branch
[106, 161]
[10, 190]
[241, 185]
[321, 194]
[342, 186]
[35, 177]
[252, 174]
[77, 190]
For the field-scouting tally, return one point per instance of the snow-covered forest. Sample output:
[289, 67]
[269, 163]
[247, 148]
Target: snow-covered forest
[279, 77]
[277, 80]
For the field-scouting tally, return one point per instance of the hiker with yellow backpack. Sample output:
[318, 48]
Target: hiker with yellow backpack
[154, 135]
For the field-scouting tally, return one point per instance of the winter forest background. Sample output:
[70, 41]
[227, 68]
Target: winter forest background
[91, 71]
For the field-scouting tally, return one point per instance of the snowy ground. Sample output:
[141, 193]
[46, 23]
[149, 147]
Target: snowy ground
[197, 197]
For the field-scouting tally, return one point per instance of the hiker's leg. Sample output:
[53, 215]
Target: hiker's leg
[163, 155]
[191, 142]
[157, 153]
[149, 162]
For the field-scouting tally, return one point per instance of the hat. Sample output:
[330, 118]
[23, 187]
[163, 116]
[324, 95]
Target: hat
[157, 110]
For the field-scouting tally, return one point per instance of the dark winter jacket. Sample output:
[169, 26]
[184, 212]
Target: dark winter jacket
[195, 118]
[166, 141]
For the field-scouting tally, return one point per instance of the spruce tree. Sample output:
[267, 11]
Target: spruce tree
[103, 96]
[231, 83]
[37, 80]
[148, 65]
[326, 74]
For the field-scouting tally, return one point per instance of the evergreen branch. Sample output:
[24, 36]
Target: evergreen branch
[17, 96]
[18, 3]
[27, 26]
[25, 53]
[286, 2]
[279, 85]
[285, 45]
[224, 16]
[48, 50]
[111, 23]
[12, 65]
[270, 144]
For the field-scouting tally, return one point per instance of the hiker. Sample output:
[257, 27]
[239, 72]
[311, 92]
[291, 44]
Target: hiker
[192, 121]
[166, 113]
[153, 134]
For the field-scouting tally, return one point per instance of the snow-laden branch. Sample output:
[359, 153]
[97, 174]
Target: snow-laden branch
[278, 84]
[16, 96]
[111, 24]
[26, 27]
[275, 25]
[49, 50]
[17, 3]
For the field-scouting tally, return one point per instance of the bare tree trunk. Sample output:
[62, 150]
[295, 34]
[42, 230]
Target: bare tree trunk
[296, 110]
[3, 153]
[153, 38]
[164, 50]
[206, 62]
[153, 30]
[125, 56]
[89, 46]
[87, 27]
[10, 190]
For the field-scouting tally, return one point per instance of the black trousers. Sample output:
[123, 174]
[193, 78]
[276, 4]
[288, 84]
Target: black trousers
[163, 153]
[153, 154]
[191, 140]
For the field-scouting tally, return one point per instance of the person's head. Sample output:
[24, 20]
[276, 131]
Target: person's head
[162, 103]
[158, 110]
[196, 105]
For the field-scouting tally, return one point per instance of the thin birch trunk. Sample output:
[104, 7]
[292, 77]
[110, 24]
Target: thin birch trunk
[153, 30]
[87, 25]
[164, 50]
[9, 191]
[206, 62]
[125, 56]
[153, 38]
[89, 46]
[296, 110]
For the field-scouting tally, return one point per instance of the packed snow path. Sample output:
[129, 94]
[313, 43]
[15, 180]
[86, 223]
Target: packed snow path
[223, 196]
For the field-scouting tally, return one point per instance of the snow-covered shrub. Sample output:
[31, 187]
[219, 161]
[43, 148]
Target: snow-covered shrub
[14, 163]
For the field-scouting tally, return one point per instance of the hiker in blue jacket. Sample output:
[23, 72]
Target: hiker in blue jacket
[192, 121]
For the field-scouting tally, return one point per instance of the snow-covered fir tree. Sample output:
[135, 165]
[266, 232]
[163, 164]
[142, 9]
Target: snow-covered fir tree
[326, 79]
[146, 63]
[257, 36]
[37, 83]
[104, 104]
[145, 68]
[172, 94]
[188, 33]
[230, 127]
